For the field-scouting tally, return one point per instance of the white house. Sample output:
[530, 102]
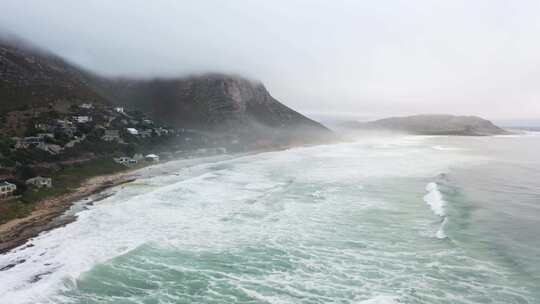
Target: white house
[87, 106]
[82, 119]
[119, 110]
[7, 190]
[152, 158]
[40, 182]
[132, 131]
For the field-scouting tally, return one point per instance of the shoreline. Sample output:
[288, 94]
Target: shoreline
[48, 213]
[51, 212]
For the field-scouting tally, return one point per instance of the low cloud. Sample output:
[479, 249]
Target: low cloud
[374, 58]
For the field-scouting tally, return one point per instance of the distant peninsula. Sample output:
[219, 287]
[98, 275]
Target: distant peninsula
[431, 125]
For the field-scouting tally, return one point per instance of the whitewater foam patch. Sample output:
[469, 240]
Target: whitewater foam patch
[435, 200]
[381, 300]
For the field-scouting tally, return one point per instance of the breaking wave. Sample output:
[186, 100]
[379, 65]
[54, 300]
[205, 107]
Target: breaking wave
[325, 224]
[435, 200]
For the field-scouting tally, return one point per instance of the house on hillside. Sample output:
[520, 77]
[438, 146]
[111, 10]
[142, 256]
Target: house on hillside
[119, 110]
[132, 131]
[82, 118]
[7, 190]
[86, 106]
[46, 135]
[31, 141]
[111, 135]
[152, 158]
[126, 161]
[40, 182]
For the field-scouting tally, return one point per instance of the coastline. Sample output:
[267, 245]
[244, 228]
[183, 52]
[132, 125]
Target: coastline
[50, 213]
[47, 215]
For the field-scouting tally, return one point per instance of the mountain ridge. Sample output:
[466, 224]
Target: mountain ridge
[431, 124]
[213, 102]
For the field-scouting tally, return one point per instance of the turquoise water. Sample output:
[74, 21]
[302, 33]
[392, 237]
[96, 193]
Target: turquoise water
[380, 220]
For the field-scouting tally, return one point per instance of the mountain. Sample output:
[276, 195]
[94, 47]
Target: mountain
[33, 77]
[218, 103]
[432, 125]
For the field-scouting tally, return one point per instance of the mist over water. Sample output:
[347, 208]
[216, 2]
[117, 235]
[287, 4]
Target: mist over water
[396, 219]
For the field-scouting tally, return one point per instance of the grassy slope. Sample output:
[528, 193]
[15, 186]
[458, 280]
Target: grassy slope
[64, 181]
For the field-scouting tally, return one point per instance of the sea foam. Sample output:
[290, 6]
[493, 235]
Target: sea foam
[435, 200]
[381, 300]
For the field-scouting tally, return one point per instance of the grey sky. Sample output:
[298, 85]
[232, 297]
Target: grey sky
[374, 58]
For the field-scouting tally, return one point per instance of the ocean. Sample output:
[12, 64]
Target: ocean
[390, 219]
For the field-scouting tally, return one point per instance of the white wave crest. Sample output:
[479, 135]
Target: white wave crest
[437, 203]
[435, 200]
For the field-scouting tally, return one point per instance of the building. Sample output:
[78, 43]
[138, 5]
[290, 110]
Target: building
[87, 106]
[119, 110]
[111, 135]
[152, 158]
[40, 182]
[46, 135]
[126, 161]
[132, 131]
[32, 141]
[82, 119]
[7, 190]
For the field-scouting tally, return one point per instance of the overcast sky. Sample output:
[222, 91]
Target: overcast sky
[365, 58]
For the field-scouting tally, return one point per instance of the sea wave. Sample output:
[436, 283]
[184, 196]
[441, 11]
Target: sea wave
[435, 200]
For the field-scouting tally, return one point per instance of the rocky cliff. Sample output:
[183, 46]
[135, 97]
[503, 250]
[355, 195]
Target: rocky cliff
[432, 125]
[214, 102]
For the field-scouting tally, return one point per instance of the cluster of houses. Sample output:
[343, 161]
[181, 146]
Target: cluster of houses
[111, 122]
[7, 189]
